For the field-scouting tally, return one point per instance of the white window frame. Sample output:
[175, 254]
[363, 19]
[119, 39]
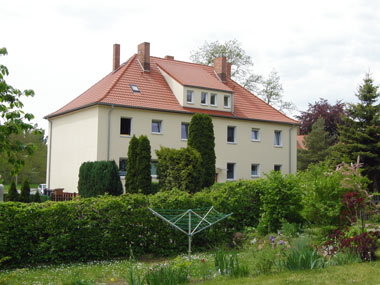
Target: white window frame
[192, 96]
[235, 136]
[185, 123]
[206, 98]
[258, 170]
[130, 127]
[280, 138]
[161, 129]
[228, 101]
[233, 171]
[216, 99]
[258, 135]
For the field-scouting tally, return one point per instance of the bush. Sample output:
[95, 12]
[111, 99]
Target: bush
[144, 178]
[179, 168]
[132, 173]
[25, 192]
[12, 193]
[99, 177]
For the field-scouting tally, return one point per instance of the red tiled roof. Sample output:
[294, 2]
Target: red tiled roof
[300, 142]
[155, 93]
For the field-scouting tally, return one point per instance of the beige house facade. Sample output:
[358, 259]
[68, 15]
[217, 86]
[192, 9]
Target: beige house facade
[159, 103]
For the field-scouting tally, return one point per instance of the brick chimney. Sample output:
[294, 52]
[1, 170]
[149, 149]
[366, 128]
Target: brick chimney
[220, 67]
[228, 73]
[170, 57]
[116, 57]
[143, 51]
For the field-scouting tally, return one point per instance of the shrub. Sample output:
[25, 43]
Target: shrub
[132, 172]
[201, 138]
[166, 275]
[37, 197]
[99, 177]
[179, 169]
[12, 192]
[281, 200]
[25, 192]
[144, 178]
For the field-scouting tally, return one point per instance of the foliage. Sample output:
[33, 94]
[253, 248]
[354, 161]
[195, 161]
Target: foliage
[133, 278]
[166, 275]
[25, 192]
[352, 205]
[14, 121]
[12, 192]
[132, 169]
[364, 244]
[179, 169]
[281, 200]
[228, 264]
[37, 197]
[360, 132]
[99, 177]
[144, 178]
[201, 138]
[332, 115]
[271, 92]
[317, 145]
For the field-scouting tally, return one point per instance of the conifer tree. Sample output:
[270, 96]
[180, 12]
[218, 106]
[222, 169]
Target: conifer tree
[317, 144]
[201, 137]
[360, 132]
[25, 191]
[144, 178]
[37, 197]
[12, 193]
[132, 171]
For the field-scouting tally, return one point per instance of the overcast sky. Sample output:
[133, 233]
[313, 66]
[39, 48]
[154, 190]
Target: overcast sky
[321, 49]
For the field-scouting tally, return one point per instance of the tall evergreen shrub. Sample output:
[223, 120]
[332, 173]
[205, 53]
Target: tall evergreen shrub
[144, 178]
[12, 193]
[132, 171]
[25, 191]
[99, 177]
[201, 138]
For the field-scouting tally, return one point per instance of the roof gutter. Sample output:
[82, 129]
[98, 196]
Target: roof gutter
[109, 132]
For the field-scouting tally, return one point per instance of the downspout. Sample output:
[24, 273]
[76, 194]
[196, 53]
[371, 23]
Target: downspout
[290, 149]
[50, 140]
[109, 132]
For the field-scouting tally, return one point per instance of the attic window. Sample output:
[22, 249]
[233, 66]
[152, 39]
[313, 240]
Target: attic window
[134, 88]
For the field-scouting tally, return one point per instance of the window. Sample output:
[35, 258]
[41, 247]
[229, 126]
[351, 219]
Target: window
[134, 88]
[230, 171]
[125, 126]
[277, 138]
[255, 170]
[213, 100]
[277, 167]
[122, 166]
[153, 168]
[156, 127]
[231, 136]
[255, 135]
[227, 102]
[204, 98]
[189, 96]
[184, 131]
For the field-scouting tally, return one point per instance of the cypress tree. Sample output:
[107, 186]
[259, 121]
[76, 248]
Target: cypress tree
[201, 137]
[360, 132]
[144, 178]
[37, 197]
[132, 172]
[25, 191]
[12, 193]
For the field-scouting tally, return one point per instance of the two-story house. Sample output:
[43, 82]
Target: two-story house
[157, 97]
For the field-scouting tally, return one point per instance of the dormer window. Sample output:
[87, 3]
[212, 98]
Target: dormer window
[189, 97]
[204, 98]
[227, 101]
[134, 88]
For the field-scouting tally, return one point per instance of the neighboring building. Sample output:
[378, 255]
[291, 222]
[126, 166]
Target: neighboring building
[157, 97]
[301, 142]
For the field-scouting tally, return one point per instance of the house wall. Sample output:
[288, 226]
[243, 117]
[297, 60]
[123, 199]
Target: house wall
[73, 139]
[243, 153]
[177, 88]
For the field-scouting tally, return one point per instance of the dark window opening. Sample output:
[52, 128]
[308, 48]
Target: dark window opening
[125, 126]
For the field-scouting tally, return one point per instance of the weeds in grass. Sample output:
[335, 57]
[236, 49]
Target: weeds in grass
[342, 258]
[228, 264]
[133, 278]
[166, 275]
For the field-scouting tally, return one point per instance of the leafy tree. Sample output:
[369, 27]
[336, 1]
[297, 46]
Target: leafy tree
[332, 114]
[25, 192]
[12, 193]
[144, 178]
[360, 131]
[201, 137]
[13, 120]
[269, 89]
[317, 144]
[180, 169]
[132, 170]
